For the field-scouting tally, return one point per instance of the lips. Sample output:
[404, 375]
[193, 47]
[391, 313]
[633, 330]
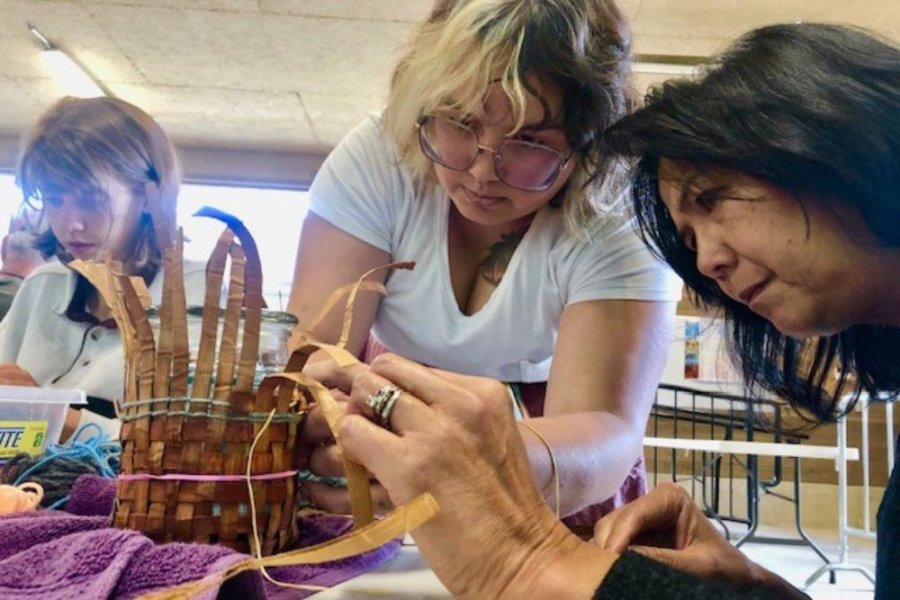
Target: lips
[752, 292]
[81, 249]
[482, 201]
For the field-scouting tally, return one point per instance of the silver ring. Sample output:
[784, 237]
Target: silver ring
[382, 403]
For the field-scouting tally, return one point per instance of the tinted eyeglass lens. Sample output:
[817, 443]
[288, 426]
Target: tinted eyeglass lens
[522, 165]
[448, 144]
[527, 166]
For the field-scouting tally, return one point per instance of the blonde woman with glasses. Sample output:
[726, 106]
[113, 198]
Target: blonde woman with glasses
[485, 169]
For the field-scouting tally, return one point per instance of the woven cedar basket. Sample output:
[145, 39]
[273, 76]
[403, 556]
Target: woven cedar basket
[186, 447]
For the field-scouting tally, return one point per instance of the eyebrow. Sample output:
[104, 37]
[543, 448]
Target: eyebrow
[541, 126]
[685, 189]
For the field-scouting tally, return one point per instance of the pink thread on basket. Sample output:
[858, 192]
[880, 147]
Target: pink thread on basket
[191, 477]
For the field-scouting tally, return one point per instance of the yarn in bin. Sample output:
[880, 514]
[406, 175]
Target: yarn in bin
[21, 498]
[57, 469]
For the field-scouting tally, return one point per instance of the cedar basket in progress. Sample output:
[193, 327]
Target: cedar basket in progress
[188, 452]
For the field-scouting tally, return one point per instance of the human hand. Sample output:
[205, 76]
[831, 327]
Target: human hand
[667, 526]
[13, 374]
[329, 374]
[322, 457]
[455, 437]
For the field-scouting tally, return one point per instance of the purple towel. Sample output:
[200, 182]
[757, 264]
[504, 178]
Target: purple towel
[57, 555]
[92, 496]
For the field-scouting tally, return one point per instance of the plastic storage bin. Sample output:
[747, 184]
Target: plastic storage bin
[30, 417]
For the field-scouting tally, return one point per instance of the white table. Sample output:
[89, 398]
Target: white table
[406, 577]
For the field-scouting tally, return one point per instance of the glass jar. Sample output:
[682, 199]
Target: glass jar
[274, 331]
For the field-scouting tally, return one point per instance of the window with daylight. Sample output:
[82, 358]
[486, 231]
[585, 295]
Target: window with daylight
[273, 217]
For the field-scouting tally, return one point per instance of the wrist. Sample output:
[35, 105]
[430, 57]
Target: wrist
[487, 557]
[765, 578]
[560, 566]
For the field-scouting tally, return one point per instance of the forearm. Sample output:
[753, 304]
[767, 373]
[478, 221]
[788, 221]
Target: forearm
[593, 451]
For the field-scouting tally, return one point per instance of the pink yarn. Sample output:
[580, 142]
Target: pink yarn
[193, 477]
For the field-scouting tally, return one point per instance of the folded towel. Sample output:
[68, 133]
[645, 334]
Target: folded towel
[58, 555]
[91, 496]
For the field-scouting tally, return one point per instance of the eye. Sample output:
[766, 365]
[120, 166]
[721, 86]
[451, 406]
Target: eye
[707, 199]
[689, 239]
[51, 201]
[531, 139]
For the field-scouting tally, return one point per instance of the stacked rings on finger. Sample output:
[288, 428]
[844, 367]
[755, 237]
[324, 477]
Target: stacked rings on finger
[382, 403]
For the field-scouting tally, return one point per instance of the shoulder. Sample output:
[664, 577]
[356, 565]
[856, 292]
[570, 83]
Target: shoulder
[605, 236]
[368, 139]
[51, 275]
[52, 269]
[363, 188]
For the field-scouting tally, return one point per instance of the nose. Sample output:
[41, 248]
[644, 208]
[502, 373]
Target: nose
[76, 223]
[484, 167]
[70, 216]
[715, 258]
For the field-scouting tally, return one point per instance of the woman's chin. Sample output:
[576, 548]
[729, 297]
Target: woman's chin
[802, 329]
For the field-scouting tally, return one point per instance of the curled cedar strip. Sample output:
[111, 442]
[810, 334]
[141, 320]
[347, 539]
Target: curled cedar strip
[357, 476]
[137, 314]
[403, 519]
[181, 354]
[335, 297]
[231, 324]
[351, 298]
[164, 349]
[101, 277]
[253, 300]
[306, 336]
[215, 272]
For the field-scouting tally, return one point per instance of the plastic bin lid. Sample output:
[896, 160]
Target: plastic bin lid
[21, 393]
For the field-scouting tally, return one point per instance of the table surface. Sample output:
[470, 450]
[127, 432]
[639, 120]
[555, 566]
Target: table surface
[405, 578]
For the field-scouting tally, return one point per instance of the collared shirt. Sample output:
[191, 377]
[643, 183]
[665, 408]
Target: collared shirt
[9, 285]
[40, 335]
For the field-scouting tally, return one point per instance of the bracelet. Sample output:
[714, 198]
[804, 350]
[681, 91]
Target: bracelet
[553, 468]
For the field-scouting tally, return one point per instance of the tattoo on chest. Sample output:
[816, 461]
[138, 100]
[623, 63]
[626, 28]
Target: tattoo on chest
[494, 265]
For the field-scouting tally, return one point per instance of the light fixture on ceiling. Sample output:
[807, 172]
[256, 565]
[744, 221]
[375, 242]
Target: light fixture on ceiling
[667, 64]
[74, 79]
[663, 69]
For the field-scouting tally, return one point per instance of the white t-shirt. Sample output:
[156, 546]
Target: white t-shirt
[363, 190]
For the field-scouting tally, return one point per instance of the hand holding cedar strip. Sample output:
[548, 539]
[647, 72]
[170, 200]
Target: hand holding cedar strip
[454, 436]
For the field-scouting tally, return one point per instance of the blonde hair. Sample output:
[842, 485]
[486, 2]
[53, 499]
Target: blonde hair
[78, 139]
[465, 46]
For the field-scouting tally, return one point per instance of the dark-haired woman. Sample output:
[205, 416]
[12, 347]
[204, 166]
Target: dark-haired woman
[772, 185]
[485, 169]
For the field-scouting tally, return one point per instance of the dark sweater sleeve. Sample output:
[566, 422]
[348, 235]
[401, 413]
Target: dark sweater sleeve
[636, 576]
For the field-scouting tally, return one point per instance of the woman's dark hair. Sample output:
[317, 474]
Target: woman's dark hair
[815, 110]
